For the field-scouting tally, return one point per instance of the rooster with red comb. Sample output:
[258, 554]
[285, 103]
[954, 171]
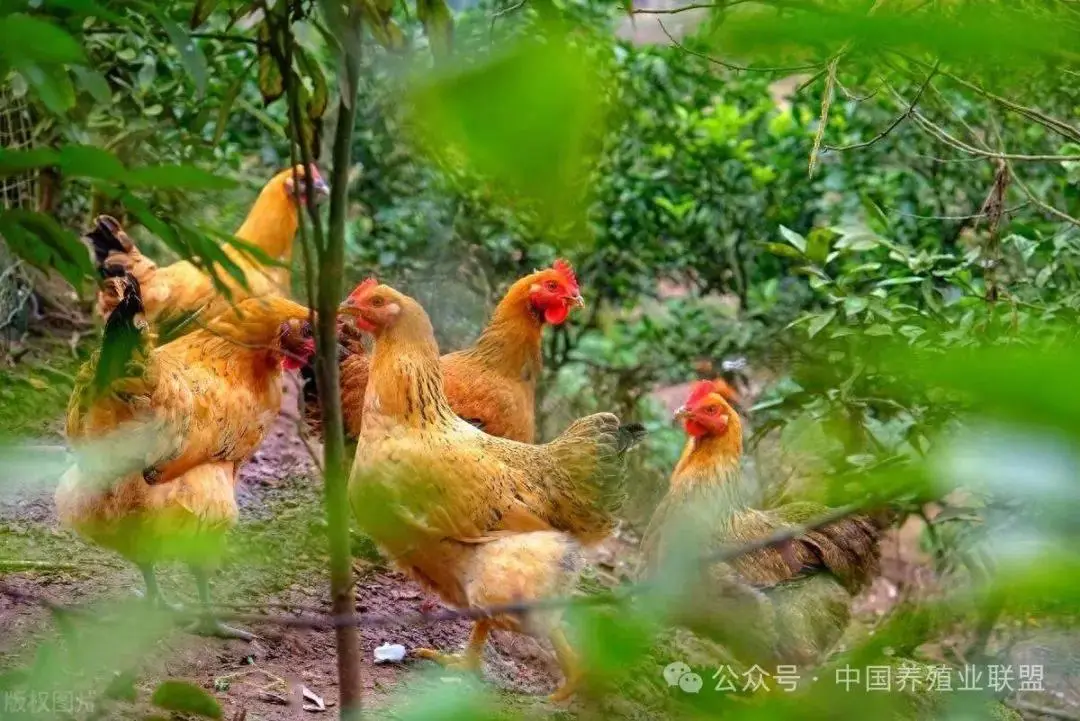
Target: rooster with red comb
[492, 384]
[783, 604]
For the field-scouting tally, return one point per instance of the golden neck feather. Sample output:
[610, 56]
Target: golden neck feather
[709, 460]
[406, 379]
[271, 224]
[511, 341]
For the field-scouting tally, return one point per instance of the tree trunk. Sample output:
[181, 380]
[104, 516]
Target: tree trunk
[331, 292]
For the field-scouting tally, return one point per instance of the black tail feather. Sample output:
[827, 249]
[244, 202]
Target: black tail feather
[124, 335]
[107, 237]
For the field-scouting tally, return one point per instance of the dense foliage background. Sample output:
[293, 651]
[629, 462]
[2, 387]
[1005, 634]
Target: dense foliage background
[878, 241]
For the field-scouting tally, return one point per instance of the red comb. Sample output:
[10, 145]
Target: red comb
[563, 268]
[364, 287]
[700, 389]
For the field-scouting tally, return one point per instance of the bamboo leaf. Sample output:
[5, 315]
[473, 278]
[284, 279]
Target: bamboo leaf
[183, 177]
[190, 55]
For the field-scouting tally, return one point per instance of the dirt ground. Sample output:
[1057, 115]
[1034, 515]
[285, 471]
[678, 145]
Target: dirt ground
[266, 679]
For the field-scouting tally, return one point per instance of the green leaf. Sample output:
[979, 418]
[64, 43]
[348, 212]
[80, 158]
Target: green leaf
[854, 305]
[438, 24]
[785, 251]
[524, 119]
[13, 162]
[86, 161]
[227, 102]
[29, 40]
[51, 83]
[183, 177]
[794, 238]
[987, 33]
[93, 83]
[42, 242]
[907, 280]
[874, 212]
[186, 698]
[819, 322]
[190, 55]
[320, 95]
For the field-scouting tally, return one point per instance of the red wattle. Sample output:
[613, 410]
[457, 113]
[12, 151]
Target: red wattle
[556, 314]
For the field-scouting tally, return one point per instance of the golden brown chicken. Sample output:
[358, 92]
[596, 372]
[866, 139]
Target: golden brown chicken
[788, 603]
[159, 434]
[480, 520]
[173, 292]
[492, 384]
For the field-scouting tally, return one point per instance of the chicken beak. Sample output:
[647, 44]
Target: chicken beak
[681, 414]
[322, 190]
[577, 300]
[347, 308]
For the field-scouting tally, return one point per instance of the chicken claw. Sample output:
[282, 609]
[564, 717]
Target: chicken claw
[454, 661]
[468, 661]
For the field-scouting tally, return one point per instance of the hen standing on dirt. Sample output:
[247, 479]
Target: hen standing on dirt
[806, 584]
[493, 384]
[173, 292]
[160, 434]
[480, 520]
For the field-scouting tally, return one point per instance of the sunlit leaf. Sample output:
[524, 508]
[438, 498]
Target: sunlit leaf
[796, 240]
[819, 321]
[522, 118]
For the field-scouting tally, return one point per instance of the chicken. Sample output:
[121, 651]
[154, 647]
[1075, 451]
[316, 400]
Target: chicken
[492, 384]
[160, 433]
[480, 520]
[172, 293]
[787, 604]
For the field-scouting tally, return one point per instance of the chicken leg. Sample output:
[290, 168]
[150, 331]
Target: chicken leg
[570, 665]
[469, 660]
[153, 593]
[207, 625]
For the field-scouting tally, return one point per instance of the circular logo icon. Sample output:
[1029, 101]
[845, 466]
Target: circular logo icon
[674, 671]
[690, 682]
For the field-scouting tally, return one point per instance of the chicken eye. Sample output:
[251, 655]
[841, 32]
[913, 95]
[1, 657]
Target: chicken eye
[552, 285]
[377, 302]
[711, 410]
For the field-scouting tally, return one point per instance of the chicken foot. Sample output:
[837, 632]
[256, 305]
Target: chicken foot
[570, 665]
[153, 594]
[207, 625]
[467, 661]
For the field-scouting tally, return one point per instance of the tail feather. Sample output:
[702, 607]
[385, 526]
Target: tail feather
[353, 363]
[592, 453]
[110, 244]
[115, 255]
[125, 342]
